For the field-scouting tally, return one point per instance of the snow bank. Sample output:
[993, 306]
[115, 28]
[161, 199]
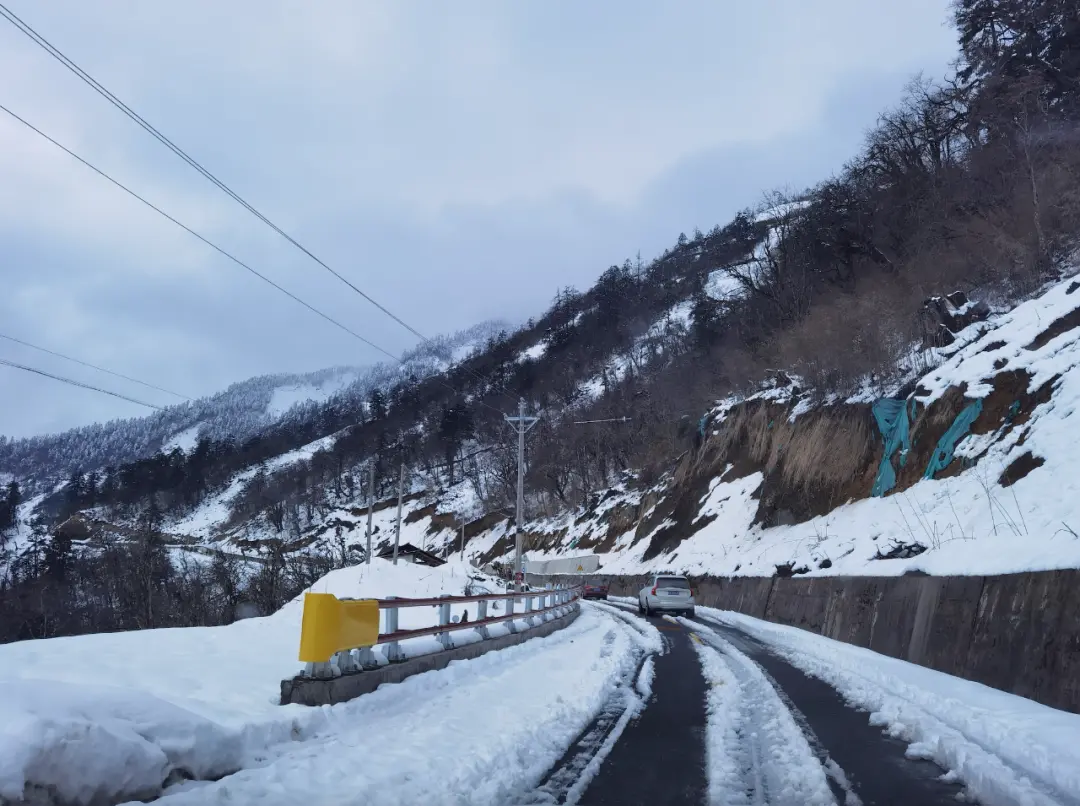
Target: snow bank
[1007, 750]
[130, 708]
[478, 732]
[93, 743]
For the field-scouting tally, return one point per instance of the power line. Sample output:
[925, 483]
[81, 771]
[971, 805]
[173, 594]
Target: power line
[189, 230]
[57, 54]
[221, 251]
[93, 366]
[62, 379]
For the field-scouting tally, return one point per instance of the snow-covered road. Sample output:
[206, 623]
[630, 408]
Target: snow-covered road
[615, 708]
[793, 718]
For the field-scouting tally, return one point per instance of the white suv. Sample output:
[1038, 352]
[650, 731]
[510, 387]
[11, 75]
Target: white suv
[667, 593]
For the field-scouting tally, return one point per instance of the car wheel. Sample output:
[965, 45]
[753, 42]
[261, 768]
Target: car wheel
[640, 606]
[690, 613]
[648, 610]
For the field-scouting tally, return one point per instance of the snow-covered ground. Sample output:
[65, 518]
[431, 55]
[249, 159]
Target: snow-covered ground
[1006, 750]
[114, 716]
[211, 515]
[185, 440]
[534, 353]
[285, 397]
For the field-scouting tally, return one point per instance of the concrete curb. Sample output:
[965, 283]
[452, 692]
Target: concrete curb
[308, 691]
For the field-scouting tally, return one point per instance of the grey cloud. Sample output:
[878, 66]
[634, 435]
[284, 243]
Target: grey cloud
[459, 168]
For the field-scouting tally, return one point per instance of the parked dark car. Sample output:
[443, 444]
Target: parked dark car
[595, 592]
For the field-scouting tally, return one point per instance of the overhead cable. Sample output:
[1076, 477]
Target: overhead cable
[72, 382]
[222, 251]
[57, 54]
[93, 366]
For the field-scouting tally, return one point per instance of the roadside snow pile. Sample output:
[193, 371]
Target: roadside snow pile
[1006, 749]
[481, 732]
[84, 744]
[131, 707]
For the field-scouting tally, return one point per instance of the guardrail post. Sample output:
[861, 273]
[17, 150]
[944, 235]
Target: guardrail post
[320, 671]
[393, 649]
[510, 626]
[345, 662]
[533, 618]
[365, 658]
[445, 638]
[481, 614]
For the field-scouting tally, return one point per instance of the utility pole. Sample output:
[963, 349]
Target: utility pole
[463, 539]
[371, 506]
[397, 530]
[521, 424]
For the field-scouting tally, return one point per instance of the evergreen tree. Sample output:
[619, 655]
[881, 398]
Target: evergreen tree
[377, 405]
[9, 507]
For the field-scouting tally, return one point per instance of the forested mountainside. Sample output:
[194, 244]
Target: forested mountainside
[845, 294]
[268, 403]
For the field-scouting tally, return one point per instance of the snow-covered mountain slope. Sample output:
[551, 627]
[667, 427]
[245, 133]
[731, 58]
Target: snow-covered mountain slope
[747, 500]
[238, 413]
[782, 483]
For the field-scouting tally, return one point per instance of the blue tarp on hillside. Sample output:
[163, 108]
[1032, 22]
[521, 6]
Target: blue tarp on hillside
[893, 419]
[943, 453]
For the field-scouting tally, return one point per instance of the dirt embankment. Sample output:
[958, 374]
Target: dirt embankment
[809, 464]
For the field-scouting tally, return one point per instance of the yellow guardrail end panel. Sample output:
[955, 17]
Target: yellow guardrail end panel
[330, 625]
[319, 628]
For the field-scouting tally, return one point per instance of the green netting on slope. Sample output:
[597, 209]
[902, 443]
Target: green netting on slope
[894, 421]
[943, 453]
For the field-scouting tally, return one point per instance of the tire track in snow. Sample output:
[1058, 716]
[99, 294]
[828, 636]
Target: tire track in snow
[569, 778]
[838, 779]
[627, 615]
[757, 753]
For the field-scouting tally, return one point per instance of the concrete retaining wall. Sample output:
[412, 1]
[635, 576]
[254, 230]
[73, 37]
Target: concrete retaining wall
[308, 691]
[1016, 632]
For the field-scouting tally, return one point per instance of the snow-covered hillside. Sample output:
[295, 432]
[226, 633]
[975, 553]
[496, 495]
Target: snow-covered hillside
[1006, 502]
[241, 411]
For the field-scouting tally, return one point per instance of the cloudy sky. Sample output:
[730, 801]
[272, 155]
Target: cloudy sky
[459, 161]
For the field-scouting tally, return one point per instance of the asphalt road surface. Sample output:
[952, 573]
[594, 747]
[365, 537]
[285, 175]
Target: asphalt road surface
[659, 758]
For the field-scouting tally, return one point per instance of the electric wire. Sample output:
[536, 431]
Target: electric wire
[223, 252]
[93, 366]
[57, 54]
[62, 379]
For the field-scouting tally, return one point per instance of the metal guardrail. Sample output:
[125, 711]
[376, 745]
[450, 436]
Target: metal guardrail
[337, 635]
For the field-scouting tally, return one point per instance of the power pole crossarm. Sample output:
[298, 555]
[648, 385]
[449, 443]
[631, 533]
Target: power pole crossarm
[521, 424]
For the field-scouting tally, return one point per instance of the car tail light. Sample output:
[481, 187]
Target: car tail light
[653, 590]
